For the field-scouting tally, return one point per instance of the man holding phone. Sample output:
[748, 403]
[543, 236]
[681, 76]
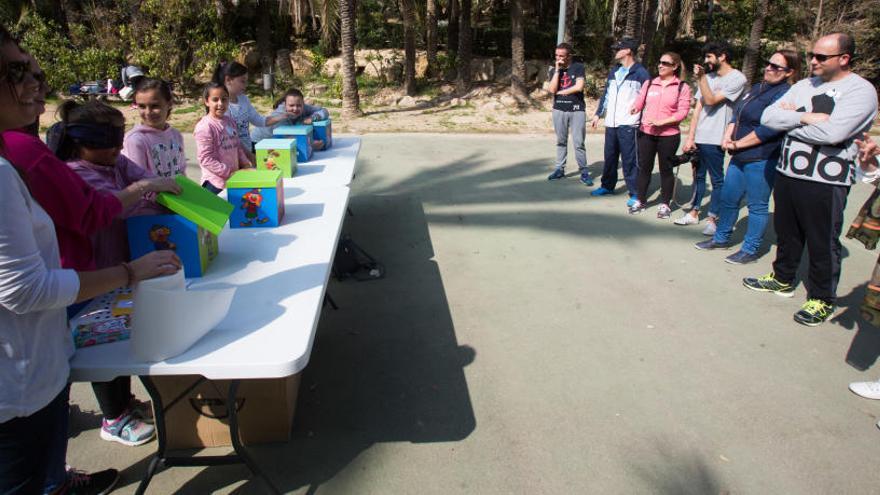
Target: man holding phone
[567, 86]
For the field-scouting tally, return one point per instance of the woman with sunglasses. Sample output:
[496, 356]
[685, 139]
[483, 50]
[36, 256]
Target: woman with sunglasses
[664, 103]
[754, 151]
[34, 291]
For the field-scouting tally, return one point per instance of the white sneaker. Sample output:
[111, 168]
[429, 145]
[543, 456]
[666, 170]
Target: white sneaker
[868, 390]
[663, 211]
[709, 230]
[687, 220]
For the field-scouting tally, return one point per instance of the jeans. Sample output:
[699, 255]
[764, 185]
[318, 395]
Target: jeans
[754, 180]
[26, 444]
[576, 122]
[711, 160]
[621, 142]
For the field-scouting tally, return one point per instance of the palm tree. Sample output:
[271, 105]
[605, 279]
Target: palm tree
[431, 35]
[518, 51]
[351, 104]
[463, 83]
[753, 50]
[452, 29]
[633, 16]
[407, 9]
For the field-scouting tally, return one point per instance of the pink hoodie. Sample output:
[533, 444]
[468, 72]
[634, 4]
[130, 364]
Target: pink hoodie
[218, 149]
[663, 102]
[111, 243]
[160, 152]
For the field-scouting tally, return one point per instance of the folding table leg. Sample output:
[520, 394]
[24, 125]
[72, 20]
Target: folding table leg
[159, 417]
[236, 441]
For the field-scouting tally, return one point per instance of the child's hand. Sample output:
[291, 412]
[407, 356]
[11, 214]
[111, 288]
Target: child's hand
[317, 145]
[160, 184]
[307, 120]
[155, 264]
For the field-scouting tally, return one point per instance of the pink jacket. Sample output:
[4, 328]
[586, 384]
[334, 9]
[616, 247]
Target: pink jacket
[218, 149]
[111, 243]
[663, 102]
[160, 152]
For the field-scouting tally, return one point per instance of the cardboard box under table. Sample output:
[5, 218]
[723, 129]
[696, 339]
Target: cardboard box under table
[323, 131]
[258, 198]
[277, 154]
[191, 232]
[265, 409]
[304, 135]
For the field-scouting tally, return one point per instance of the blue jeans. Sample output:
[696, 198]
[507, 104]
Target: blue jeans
[621, 141]
[755, 181]
[26, 445]
[711, 160]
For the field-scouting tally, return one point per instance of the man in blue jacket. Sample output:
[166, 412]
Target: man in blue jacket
[622, 88]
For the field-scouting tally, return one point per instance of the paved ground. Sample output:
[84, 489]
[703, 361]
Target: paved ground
[531, 339]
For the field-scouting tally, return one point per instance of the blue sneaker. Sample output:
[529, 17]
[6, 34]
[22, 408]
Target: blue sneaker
[559, 173]
[631, 201]
[602, 192]
[586, 179]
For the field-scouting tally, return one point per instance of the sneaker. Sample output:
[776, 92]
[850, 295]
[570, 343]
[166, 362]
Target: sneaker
[636, 208]
[559, 173]
[601, 191]
[709, 230]
[663, 212]
[687, 220]
[741, 258]
[127, 430]
[631, 201]
[769, 283]
[711, 244]
[99, 483]
[814, 312]
[868, 390]
[586, 179]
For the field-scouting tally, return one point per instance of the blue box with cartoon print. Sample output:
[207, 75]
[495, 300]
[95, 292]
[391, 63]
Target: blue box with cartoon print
[258, 198]
[195, 245]
[323, 130]
[304, 135]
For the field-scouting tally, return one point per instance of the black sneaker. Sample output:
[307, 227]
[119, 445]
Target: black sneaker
[814, 312]
[99, 483]
[559, 173]
[711, 244]
[769, 283]
[741, 258]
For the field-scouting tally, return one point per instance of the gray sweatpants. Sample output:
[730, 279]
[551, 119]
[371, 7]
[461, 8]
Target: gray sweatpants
[577, 122]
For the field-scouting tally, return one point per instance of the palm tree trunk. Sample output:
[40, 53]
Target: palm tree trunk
[633, 15]
[407, 9]
[753, 49]
[518, 51]
[351, 104]
[452, 30]
[463, 83]
[431, 35]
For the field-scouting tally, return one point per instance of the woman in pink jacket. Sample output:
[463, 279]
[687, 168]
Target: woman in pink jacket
[664, 103]
[218, 148]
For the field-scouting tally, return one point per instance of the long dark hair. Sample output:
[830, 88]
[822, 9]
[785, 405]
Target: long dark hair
[228, 69]
[793, 61]
[207, 91]
[72, 112]
[5, 37]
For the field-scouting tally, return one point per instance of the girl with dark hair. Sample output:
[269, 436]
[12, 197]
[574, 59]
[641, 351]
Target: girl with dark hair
[754, 151]
[34, 291]
[234, 76]
[293, 109]
[218, 147]
[154, 144]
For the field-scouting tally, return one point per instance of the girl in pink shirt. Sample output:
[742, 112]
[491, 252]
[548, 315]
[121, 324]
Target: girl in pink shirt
[218, 148]
[664, 103]
[155, 145]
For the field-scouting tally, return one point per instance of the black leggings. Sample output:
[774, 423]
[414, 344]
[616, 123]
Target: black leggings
[114, 396]
[665, 148]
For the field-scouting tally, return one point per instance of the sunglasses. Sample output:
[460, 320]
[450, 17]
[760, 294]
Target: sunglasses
[776, 67]
[667, 64]
[821, 57]
[16, 72]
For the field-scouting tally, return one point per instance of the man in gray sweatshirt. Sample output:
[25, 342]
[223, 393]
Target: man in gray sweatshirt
[822, 116]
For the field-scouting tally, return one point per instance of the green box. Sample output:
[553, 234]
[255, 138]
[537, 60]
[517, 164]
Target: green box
[277, 154]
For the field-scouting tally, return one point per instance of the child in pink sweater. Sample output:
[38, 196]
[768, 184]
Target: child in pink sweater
[155, 145]
[218, 148]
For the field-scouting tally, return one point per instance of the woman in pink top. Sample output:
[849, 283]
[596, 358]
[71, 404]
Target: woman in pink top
[218, 148]
[664, 103]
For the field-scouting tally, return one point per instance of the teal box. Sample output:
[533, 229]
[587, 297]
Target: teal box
[277, 154]
[258, 197]
[324, 133]
[304, 135]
